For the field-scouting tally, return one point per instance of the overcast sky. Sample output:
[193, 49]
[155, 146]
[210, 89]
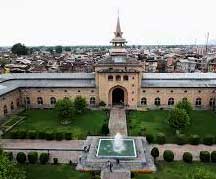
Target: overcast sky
[92, 22]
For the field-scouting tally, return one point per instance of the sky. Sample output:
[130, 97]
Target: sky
[92, 22]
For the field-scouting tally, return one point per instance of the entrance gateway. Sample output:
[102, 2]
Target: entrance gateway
[117, 96]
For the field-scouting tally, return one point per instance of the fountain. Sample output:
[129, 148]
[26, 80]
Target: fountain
[117, 147]
[118, 144]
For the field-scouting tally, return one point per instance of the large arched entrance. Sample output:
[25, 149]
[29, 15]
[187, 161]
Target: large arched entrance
[118, 96]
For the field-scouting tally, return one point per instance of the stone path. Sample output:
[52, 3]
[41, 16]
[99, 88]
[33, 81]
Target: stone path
[117, 121]
[63, 156]
[180, 149]
[115, 175]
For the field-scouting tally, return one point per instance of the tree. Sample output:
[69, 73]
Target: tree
[58, 49]
[179, 119]
[19, 49]
[3, 62]
[80, 104]
[185, 105]
[8, 169]
[67, 49]
[64, 108]
[201, 173]
[155, 152]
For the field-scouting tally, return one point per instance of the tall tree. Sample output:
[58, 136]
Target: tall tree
[19, 49]
[80, 104]
[58, 49]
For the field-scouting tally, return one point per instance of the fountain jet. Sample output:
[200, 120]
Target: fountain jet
[118, 144]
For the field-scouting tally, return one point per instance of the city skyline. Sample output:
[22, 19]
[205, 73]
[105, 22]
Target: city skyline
[36, 23]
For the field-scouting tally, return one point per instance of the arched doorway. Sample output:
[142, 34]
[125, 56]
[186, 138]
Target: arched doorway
[117, 96]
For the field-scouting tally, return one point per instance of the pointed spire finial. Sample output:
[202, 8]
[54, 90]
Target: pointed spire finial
[118, 32]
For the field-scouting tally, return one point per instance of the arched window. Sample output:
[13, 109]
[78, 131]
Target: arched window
[18, 102]
[40, 100]
[198, 102]
[143, 101]
[92, 101]
[5, 110]
[12, 106]
[27, 100]
[110, 78]
[184, 99]
[52, 100]
[211, 102]
[125, 78]
[171, 101]
[118, 78]
[157, 101]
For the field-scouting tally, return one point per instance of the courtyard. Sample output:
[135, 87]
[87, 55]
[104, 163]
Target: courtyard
[88, 123]
[156, 121]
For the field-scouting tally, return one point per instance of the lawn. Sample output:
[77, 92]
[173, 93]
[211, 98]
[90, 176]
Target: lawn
[175, 170]
[153, 122]
[89, 122]
[53, 172]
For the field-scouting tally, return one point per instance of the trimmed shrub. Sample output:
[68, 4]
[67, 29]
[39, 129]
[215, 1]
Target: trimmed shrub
[68, 135]
[21, 157]
[41, 135]
[55, 161]
[44, 158]
[14, 134]
[204, 156]
[105, 129]
[187, 157]
[160, 138]
[213, 156]
[9, 155]
[155, 152]
[32, 134]
[194, 139]
[33, 157]
[59, 135]
[150, 138]
[181, 139]
[21, 134]
[208, 140]
[102, 103]
[50, 135]
[168, 155]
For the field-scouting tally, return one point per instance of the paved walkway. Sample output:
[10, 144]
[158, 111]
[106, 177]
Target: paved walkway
[117, 121]
[63, 156]
[180, 149]
[115, 175]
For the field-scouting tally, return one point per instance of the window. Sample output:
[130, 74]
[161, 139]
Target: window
[52, 100]
[198, 102]
[125, 78]
[12, 106]
[171, 91]
[118, 78]
[199, 91]
[92, 101]
[185, 91]
[211, 102]
[157, 101]
[143, 101]
[78, 91]
[92, 91]
[158, 91]
[110, 78]
[18, 102]
[65, 90]
[184, 99]
[171, 101]
[5, 110]
[40, 100]
[144, 91]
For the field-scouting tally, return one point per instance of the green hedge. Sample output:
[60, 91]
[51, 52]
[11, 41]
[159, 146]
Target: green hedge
[160, 138]
[21, 157]
[204, 156]
[187, 157]
[44, 158]
[33, 157]
[168, 155]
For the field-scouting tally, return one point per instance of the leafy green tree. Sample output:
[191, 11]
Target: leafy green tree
[80, 104]
[67, 49]
[64, 108]
[179, 119]
[186, 105]
[201, 173]
[19, 49]
[50, 49]
[58, 49]
[8, 169]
